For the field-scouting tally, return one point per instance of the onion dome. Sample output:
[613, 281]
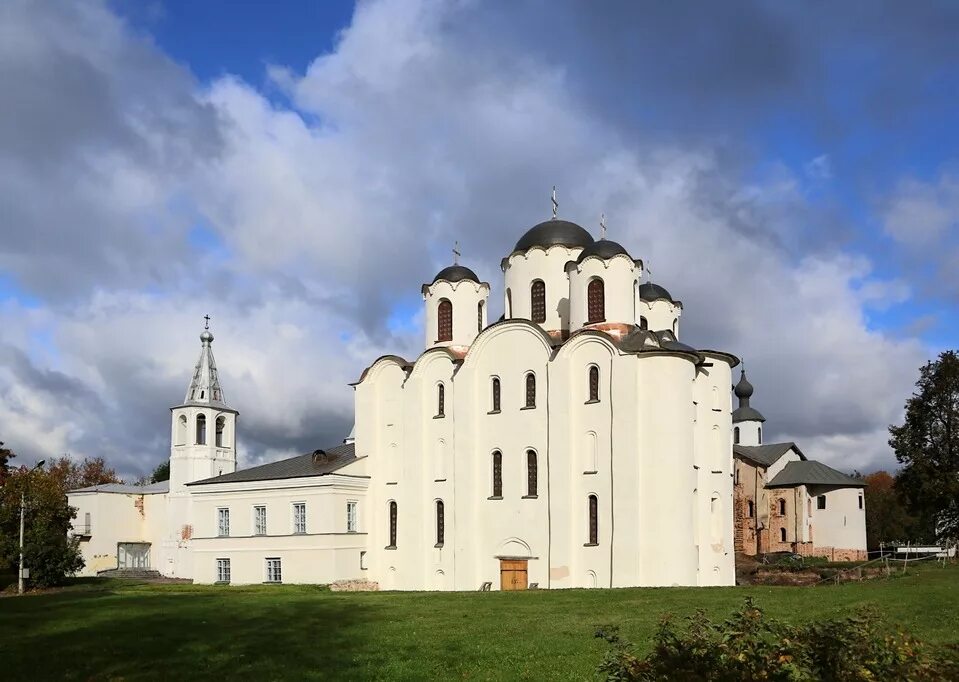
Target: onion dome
[743, 391]
[456, 273]
[604, 249]
[554, 232]
[653, 292]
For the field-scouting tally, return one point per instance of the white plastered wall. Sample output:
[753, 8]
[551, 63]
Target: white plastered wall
[619, 276]
[548, 265]
[465, 297]
[842, 524]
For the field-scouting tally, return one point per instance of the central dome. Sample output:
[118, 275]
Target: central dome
[554, 233]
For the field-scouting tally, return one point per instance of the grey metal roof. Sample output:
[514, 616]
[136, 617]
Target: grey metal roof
[151, 489]
[456, 273]
[766, 454]
[204, 389]
[604, 249]
[316, 463]
[653, 292]
[813, 473]
[552, 233]
[745, 413]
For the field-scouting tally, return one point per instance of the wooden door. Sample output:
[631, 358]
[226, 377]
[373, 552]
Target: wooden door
[512, 574]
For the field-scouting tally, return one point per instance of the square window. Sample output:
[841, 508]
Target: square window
[821, 502]
[274, 571]
[223, 570]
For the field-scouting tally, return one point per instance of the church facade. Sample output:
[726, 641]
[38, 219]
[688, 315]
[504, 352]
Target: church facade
[575, 442]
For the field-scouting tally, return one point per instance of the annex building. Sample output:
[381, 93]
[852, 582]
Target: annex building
[575, 442]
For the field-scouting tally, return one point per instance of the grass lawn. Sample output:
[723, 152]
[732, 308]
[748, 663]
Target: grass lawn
[113, 629]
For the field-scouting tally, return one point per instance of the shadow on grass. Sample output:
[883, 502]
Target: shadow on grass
[287, 632]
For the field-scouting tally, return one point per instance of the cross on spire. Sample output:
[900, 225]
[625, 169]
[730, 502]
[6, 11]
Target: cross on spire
[555, 203]
[602, 226]
[456, 253]
[206, 324]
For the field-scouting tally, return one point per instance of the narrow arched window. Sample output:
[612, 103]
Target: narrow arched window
[509, 304]
[782, 507]
[643, 323]
[782, 535]
[736, 435]
[497, 474]
[593, 384]
[530, 390]
[440, 400]
[392, 544]
[444, 321]
[595, 302]
[220, 426]
[495, 394]
[537, 301]
[440, 523]
[759, 434]
[181, 428]
[593, 508]
[479, 316]
[201, 429]
[750, 508]
[531, 473]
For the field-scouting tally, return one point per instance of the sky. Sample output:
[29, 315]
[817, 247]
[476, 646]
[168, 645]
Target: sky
[297, 170]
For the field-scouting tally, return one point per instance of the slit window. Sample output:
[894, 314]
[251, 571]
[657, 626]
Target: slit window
[444, 321]
[537, 295]
[592, 505]
[530, 390]
[392, 525]
[782, 535]
[594, 384]
[595, 302]
[440, 400]
[782, 507]
[479, 316]
[497, 474]
[440, 523]
[531, 473]
[495, 391]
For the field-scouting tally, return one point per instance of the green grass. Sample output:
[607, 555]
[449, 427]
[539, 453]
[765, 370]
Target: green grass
[115, 630]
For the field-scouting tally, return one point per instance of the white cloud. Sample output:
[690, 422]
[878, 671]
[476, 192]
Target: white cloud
[402, 139]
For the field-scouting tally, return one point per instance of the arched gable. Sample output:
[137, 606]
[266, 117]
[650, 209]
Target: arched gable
[429, 358]
[584, 337]
[379, 364]
[507, 327]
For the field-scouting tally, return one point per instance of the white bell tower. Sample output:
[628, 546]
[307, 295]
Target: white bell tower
[203, 434]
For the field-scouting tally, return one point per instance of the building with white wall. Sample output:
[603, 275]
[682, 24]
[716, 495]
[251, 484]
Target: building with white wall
[576, 442]
[785, 502]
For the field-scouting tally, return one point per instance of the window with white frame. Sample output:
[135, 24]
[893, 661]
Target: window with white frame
[299, 517]
[223, 570]
[274, 571]
[223, 522]
[351, 524]
[259, 519]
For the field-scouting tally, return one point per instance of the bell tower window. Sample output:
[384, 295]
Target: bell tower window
[537, 295]
[220, 426]
[595, 301]
[201, 429]
[444, 322]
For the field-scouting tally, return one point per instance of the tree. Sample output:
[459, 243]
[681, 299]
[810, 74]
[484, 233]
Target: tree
[161, 473]
[71, 475]
[927, 445]
[48, 552]
[887, 519]
[5, 455]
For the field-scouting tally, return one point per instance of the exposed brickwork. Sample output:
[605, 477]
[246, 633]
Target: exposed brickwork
[138, 503]
[354, 586]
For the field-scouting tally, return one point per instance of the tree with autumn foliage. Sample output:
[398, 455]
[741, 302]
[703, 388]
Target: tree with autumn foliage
[887, 519]
[49, 552]
[927, 445]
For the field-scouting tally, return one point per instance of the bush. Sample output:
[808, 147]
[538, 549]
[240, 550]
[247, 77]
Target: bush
[750, 646]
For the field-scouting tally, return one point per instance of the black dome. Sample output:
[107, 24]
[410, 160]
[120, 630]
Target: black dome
[554, 233]
[653, 292]
[456, 273]
[604, 249]
[743, 389]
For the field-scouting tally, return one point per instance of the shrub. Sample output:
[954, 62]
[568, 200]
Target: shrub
[751, 646]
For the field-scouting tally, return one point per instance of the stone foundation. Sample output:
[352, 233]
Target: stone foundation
[354, 586]
[831, 553]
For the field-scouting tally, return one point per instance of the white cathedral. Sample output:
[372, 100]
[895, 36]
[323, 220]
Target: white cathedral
[576, 442]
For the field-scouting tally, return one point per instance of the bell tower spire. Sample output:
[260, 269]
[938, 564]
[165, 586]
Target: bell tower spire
[203, 432]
